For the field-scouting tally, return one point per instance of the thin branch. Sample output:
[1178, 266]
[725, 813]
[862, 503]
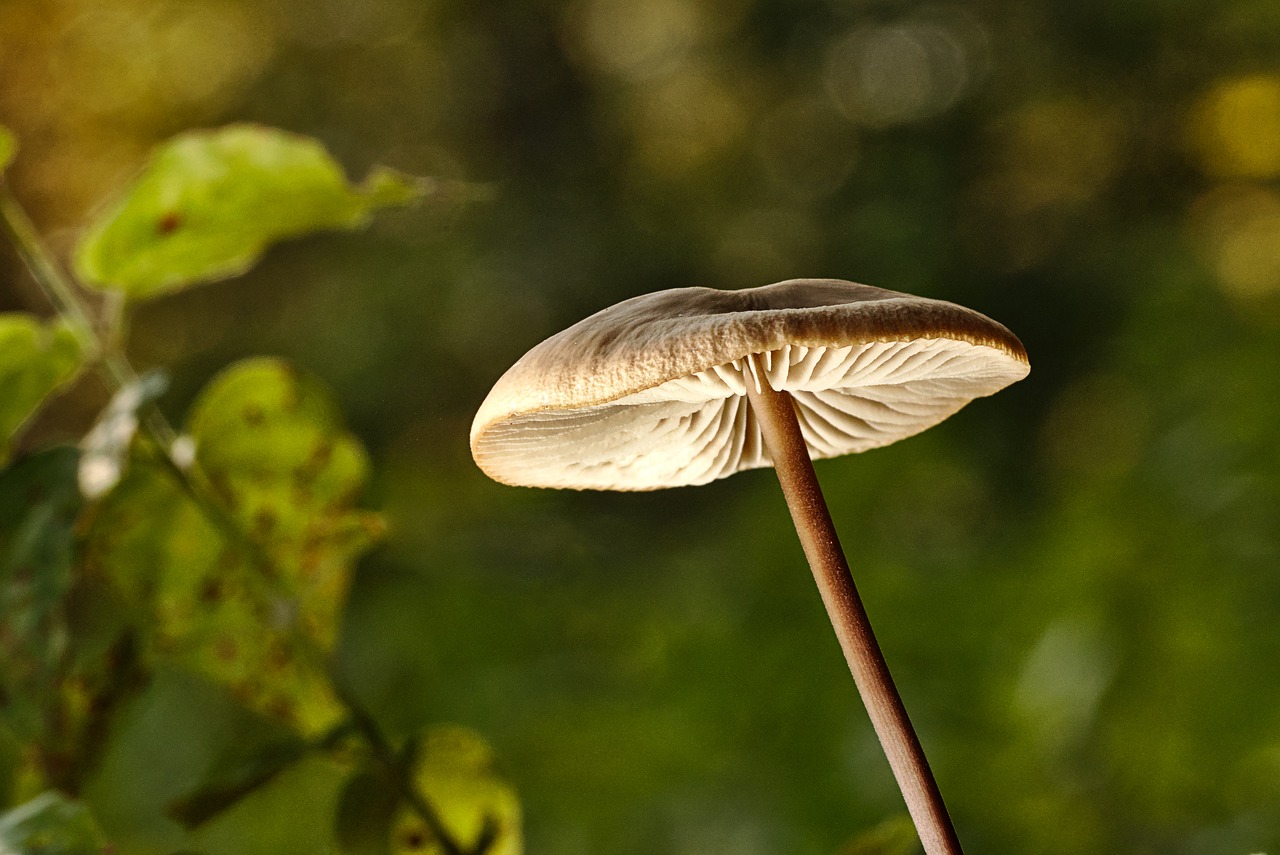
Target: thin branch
[68, 301]
[125, 678]
[394, 766]
[47, 275]
[489, 832]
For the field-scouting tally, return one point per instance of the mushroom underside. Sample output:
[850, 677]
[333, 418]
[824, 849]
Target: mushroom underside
[698, 428]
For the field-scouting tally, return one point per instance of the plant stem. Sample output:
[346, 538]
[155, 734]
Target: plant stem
[775, 412]
[71, 307]
[394, 766]
[45, 271]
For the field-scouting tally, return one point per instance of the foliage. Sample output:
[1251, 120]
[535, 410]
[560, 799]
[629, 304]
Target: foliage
[39, 503]
[8, 147]
[252, 612]
[36, 359]
[209, 204]
[454, 768]
[225, 551]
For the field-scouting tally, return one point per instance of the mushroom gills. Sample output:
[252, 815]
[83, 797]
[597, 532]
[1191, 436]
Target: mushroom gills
[698, 428]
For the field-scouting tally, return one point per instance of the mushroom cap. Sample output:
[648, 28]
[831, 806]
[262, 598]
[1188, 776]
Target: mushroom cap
[650, 393]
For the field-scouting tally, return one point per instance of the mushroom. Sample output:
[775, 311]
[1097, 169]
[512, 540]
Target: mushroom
[689, 385]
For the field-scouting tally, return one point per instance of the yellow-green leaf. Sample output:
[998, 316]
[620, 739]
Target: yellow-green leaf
[36, 359]
[210, 203]
[455, 771]
[202, 602]
[8, 147]
[247, 595]
[272, 443]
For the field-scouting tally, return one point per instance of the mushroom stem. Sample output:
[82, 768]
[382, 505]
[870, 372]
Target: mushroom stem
[780, 428]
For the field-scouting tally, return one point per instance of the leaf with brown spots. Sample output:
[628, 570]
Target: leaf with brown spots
[271, 445]
[454, 771]
[272, 442]
[210, 203]
[199, 601]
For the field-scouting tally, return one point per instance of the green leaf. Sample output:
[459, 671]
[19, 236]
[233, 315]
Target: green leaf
[210, 203]
[50, 824]
[200, 601]
[36, 359]
[39, 502]
[272, 443]
[895, 836]
[455, 771]
[65, 663]
[8, 147]
[249, 611]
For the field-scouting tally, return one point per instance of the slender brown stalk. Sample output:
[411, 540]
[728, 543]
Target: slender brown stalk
[776, 414]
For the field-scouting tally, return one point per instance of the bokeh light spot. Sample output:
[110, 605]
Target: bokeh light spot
[1236, 127]
[1239, 229]
[97, 68]
[685, 120]
[1059, 151]
[1063, 680]
[635, 39]
[209, 54]
[1047, 160]
[881, 75]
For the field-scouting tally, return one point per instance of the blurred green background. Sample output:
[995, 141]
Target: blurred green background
[1075, 582]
